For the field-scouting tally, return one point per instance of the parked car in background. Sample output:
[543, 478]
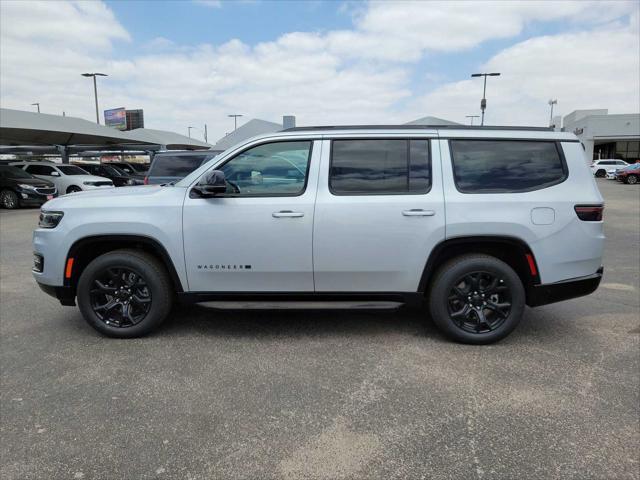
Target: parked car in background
[20, 189]
[66, 178]
[630, 174]
[168, 167]
[113, 173]
[139, 169]
[601, 168]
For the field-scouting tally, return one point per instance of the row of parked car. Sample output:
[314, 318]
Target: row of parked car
[618, 170]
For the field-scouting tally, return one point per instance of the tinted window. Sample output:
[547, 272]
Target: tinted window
[13, 172]
[39, 169]
[72, 170]
[175, 165]
[373, 167]
[278, 168]
[485, 166]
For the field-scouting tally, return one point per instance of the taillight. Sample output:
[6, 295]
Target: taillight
[146, 180]
[589, 213]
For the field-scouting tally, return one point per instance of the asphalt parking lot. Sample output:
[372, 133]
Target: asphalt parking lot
[323, 394]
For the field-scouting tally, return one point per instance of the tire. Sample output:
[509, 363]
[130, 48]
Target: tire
[450, 308]
[131, 309]
[601, 173]
[9, 199]
[632, 179]
[73, 189]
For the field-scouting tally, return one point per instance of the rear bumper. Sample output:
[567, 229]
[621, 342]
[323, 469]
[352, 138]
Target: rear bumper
[559, 291]
[66, 295]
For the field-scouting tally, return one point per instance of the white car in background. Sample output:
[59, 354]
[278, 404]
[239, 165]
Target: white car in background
[67, 178]
[607, 167]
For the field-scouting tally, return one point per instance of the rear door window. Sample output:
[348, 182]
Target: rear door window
[502, 166]
[379, 167]
[39, 170]
[175, 165]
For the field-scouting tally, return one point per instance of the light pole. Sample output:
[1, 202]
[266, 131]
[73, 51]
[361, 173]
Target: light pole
[189, 131]
[472, 117]
[235, 120]
[483, 102]
[37, 105]
[95, 90]
[551, 104]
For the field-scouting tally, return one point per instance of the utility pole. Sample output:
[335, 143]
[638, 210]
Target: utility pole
[551, 104]
[472, 117]
[95, 90]
[235, 120]
[37, 105]
[205, 133]
[189, 131]
[483, 102]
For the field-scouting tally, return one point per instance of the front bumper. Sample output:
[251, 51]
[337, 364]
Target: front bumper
[34, 197]
[564, 290]
[66, 295]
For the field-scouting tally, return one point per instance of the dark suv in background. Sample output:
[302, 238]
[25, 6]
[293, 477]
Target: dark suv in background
[19, 188]
[113, 173]
[168, 167]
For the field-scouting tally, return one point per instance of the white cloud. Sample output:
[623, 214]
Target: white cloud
[359, 75]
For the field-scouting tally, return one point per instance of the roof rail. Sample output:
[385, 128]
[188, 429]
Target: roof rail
[416, 127]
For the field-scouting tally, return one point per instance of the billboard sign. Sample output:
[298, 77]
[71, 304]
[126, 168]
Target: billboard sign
[116, 118]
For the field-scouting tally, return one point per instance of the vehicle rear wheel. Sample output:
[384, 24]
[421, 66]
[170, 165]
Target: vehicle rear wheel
[601, 173]
[632, 179]
[125, 293]
[9, 199]
[73, 188]
[476, 299]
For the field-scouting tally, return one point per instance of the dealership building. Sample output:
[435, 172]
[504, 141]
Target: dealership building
[605, 135]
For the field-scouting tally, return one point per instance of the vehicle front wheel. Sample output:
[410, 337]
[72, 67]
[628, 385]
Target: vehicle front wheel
[600, 173]
[125, 293]
[476, 299]
[73, 189]
[632, 179]
[9, 199]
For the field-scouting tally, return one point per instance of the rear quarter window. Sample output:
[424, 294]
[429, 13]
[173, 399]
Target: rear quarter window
[506, 166]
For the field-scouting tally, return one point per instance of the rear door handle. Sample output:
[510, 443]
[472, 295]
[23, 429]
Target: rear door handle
[418, 212]
[287, 213]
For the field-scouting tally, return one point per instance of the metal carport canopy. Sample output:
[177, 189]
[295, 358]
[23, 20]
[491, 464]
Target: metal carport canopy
[18, 127]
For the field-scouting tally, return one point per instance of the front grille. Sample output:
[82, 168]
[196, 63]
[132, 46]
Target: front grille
[46, 190]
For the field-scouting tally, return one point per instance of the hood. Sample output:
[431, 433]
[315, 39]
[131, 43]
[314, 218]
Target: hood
[32, 181]
[89, 178]
[102, 197]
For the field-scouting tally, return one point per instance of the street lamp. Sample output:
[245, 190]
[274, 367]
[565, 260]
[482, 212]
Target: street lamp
[472, 117]
[189, 131]
[551, 104]
[37, 105]
[235, 120]
[483, 102]
[95, 90]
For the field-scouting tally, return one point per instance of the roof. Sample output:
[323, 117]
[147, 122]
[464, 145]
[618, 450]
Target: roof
[189, 153]
[408, 126]
[431, 121]
[170, 140]
[18, 127]
[250, 129]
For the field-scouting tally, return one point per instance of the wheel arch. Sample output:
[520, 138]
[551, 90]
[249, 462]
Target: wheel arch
[84, 250]
[512, 250]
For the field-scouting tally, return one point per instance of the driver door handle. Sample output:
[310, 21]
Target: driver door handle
[286, 214]
[418, 212]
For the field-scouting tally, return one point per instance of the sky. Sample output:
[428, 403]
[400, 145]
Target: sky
[193, 62]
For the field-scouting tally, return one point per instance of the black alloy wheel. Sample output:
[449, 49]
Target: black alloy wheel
[632, 179]
[479, 302]
[120, 297]
[601, 173]
[476, 299]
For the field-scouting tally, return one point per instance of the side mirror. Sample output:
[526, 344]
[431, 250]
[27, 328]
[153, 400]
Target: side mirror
[211, 185]
[55, 174]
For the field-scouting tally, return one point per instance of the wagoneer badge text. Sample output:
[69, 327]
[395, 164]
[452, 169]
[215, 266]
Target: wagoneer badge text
[226, 268]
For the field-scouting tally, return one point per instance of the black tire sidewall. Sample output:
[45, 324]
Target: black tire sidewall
[73, 189]
[452, 272]
[629, 178]
[601, 173]
[154, 275]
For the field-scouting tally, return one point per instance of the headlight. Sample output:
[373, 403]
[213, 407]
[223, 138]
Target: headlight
[131, 181]
[50, 219]
[24, 186]
[89, 183]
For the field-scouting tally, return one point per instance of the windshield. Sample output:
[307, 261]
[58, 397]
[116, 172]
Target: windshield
[72, 170]
[175, 165]
[139, 167]
[113, 170]
[8, 171]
